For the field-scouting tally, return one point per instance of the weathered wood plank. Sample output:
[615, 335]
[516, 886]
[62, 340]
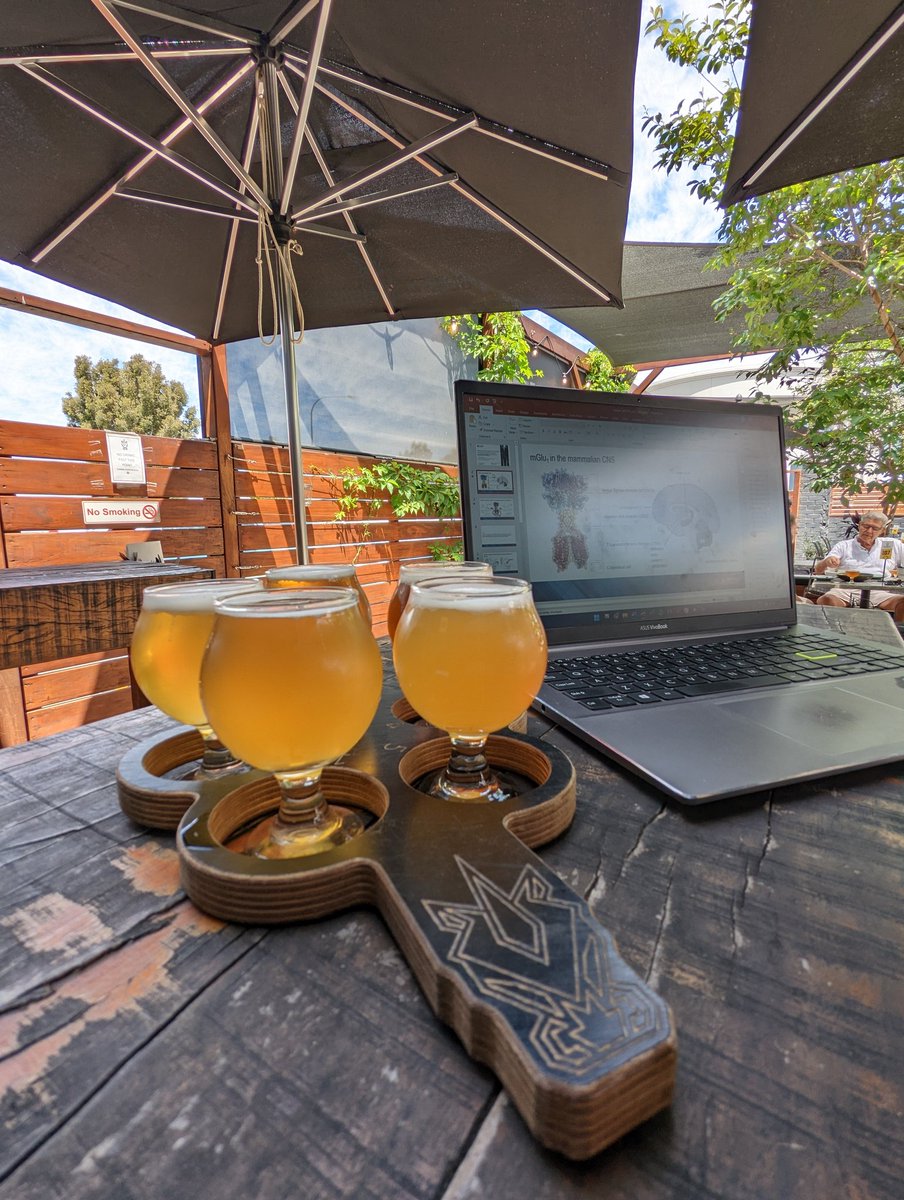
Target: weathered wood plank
[90, 545]
[21, 476]
[84, 710]
[70, 683]
[55, 614]
[89, 445]
[45, 512]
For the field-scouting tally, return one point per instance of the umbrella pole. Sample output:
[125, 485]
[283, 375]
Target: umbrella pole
[296, 452]
[273, 182]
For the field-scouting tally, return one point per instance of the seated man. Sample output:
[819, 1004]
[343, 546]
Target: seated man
[863, 551]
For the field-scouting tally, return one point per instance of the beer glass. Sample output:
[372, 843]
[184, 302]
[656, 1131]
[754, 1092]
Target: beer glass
[291, 680]
[330, 575]
[470, 655]
[415, 572]
[167, 645]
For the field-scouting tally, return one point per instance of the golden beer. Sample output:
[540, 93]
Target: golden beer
[470, 656]
[168, 643]
[329, 575]
[418, 572]
[291, 682]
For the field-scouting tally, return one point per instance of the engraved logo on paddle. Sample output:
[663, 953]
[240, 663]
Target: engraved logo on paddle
[533, 950]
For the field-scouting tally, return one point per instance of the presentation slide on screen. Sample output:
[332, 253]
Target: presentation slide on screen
[633, 511]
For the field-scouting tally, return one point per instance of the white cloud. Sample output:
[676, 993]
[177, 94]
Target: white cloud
[662, 209]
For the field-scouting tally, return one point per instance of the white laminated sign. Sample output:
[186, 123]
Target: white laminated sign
[126, 458]
[121, 512]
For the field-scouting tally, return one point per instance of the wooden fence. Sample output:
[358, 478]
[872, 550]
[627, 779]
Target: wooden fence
[232, 513]
[841, 505]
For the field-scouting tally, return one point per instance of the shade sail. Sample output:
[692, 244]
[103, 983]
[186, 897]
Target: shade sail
[822, 92]
[667, 314]
[508, 129]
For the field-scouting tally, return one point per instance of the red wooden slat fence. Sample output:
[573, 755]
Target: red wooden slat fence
[841, 506]
[47, 471]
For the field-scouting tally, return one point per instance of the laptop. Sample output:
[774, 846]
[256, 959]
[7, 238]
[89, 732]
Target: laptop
[654, 532]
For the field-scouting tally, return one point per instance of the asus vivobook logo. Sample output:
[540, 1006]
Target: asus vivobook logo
[650, 628]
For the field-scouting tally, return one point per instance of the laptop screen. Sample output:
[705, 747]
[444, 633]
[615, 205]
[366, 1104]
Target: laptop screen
[630, 516]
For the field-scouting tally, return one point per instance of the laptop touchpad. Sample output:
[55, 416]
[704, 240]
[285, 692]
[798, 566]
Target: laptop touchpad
[820, 717]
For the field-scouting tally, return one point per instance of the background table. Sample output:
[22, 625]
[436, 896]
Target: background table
[149, 1051]
[60, 612]
[49, 613]
[824, 583]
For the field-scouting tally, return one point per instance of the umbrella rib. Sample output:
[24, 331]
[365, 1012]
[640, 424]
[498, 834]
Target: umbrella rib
[328, 176]
[474, 197]
[493, 129]
[406, 152]
[290, 20]
[853, 68]
[217, 210]
[175, 93]
[251, 134]
[210, 210]
[110, 52]
[304, 105]
[380, 197]
[156, 148]
[194, 20]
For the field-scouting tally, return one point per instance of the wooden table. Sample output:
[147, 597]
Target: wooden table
[149, 1051]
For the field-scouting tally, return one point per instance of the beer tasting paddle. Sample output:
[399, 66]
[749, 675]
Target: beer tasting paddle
[506, 954]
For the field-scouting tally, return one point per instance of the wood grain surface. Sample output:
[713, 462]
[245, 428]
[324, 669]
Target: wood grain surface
[147, 1051]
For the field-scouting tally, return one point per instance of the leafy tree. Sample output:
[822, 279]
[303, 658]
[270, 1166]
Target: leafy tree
[601, 376]
[497, 340]
[130, 398]
[817, 269]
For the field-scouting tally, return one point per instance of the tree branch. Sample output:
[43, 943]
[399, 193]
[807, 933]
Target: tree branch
[886, 322]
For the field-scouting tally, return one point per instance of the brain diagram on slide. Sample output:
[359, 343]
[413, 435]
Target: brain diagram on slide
[611, 513]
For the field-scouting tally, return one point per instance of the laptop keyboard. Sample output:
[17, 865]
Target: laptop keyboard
[604, 681]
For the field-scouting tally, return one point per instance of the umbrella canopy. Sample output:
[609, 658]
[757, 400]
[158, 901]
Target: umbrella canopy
[424, 158]
[822, 89]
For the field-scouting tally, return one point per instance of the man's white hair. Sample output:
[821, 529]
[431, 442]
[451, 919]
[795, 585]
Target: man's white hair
[875, 514]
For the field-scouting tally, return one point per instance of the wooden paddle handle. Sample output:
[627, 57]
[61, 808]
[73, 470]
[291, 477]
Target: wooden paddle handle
[520, 968]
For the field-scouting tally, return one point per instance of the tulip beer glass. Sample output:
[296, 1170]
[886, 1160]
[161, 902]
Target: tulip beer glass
[447, 627]
[417, 572]
[168, 644]
[291, 680]
[329, 575]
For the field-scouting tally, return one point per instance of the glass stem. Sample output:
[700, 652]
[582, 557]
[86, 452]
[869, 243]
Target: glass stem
[468, 766]
[302, 803]
[216, 755]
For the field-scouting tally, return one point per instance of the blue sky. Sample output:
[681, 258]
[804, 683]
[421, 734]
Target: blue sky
[32, 385]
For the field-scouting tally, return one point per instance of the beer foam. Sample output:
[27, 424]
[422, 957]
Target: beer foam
[310, 602]
[418, 573]
[194, 597]
[320, 571]
[471, 595]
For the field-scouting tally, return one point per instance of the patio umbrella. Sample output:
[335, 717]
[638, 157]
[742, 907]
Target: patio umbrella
[236, 163]
[822, 89]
